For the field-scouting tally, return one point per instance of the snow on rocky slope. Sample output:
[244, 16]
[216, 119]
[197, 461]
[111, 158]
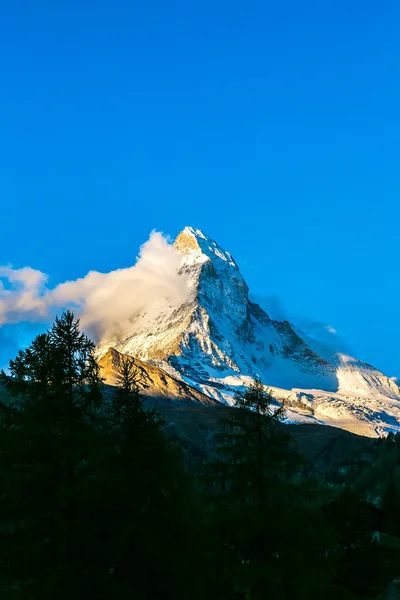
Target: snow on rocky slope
[153, 382]
[218, 341]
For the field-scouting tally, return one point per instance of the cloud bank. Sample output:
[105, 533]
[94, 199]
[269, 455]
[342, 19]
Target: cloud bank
[105, 302]
[318, 330]
[24, 296]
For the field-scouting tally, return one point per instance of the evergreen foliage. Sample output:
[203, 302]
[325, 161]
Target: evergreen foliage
[95, 500]
[46, 445]
[259, 498]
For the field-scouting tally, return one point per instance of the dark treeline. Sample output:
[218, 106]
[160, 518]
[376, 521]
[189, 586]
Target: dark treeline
[96, 501]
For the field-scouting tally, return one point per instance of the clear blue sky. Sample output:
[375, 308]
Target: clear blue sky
[273, 126]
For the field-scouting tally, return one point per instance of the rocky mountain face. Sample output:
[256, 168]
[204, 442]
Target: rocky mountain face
[153, 382]
[218, 341]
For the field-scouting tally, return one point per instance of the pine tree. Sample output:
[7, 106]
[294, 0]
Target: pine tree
[126, 409]
[47, 446]
[152, 521]
[255, 451]
[259, 503]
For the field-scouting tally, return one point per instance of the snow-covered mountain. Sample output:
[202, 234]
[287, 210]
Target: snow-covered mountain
[218, 340]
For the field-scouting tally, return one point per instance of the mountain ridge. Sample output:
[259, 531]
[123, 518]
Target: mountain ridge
[153, 382]
[217, 341]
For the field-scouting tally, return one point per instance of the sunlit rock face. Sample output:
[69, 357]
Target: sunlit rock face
[153, 382]
[218, 341]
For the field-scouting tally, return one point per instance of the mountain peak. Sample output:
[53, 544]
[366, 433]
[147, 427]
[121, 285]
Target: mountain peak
[187, 241]
[195, 244]
[195, 232]
[218, 340]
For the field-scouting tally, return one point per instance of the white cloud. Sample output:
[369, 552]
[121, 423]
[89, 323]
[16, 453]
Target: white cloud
[104, 301]
[24, 295]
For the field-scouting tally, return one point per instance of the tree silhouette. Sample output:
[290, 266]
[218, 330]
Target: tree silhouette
[151, 519]
[47, 449]
[257, 499]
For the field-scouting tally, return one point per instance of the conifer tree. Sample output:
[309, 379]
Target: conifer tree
[259, 502]
[255, 451]
[47, 446]
[151, 516]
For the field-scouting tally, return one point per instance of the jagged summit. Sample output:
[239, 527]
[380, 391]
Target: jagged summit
[187, 241]
[218, 340]
[214, 274]
[193, 242]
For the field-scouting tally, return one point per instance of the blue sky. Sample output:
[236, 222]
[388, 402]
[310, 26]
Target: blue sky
[273, 126]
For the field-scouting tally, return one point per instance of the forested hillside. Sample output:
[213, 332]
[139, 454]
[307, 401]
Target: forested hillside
[103, 495]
